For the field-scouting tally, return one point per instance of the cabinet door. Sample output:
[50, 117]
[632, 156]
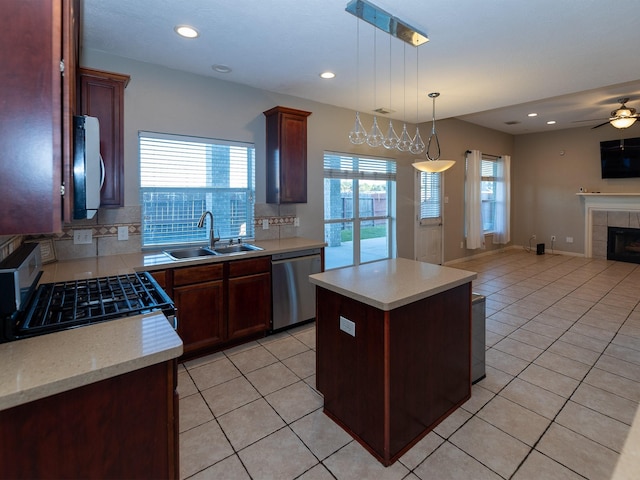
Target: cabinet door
[249, 305]
[31, 118]
[102, 96]
[286, 155]
[200, 314]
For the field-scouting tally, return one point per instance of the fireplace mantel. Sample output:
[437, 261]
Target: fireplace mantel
[624, 202]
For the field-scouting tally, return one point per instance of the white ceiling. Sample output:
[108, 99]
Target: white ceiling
[492, 61]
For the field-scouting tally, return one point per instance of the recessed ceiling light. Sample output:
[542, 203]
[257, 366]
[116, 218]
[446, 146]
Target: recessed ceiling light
[532, 114]
[218, 67]
[186, 31]
[328, 75]
[551, 122]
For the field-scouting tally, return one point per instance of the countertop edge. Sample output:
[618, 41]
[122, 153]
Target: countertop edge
[346, 283]
[33, 352]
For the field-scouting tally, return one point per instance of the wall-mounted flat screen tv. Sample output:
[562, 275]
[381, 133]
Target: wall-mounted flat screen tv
[620, 158]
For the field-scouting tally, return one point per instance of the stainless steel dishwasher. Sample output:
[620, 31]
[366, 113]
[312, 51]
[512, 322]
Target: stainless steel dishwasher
[294, 297]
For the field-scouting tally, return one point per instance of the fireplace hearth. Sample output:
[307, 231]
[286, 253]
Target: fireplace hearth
[623, 244]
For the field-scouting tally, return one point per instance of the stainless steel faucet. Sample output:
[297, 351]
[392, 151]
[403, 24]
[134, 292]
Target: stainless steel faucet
[212, 239]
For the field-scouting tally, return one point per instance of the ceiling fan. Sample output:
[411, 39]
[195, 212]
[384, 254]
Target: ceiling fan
[622, 117]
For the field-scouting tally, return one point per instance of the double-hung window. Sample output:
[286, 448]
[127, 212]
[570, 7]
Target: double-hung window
[359, 209]
[489, 172]
[181, 177]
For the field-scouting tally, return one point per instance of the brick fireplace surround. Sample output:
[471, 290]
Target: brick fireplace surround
[604, 210]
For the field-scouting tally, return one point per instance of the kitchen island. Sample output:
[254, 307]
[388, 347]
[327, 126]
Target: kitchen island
[97, 401]
[393, 354]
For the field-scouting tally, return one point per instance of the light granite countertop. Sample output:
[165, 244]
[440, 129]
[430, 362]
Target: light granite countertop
[104, 266]
[390, 284]
[41, 366]
[45, 365]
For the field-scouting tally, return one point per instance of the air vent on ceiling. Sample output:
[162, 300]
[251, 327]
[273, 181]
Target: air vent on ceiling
[512, 122]
[384, 111]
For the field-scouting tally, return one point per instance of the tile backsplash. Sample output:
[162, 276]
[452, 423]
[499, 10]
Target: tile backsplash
[281, 220]
[104, 234]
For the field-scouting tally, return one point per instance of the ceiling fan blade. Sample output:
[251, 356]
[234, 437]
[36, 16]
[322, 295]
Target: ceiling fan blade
[601, 125]
[589, 120]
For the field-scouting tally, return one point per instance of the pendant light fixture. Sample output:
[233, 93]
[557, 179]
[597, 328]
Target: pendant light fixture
[358, 135]
[433, 164]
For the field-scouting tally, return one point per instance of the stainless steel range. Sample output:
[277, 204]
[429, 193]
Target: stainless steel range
[28, 309]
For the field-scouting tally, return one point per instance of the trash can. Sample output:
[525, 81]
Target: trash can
[478, 337]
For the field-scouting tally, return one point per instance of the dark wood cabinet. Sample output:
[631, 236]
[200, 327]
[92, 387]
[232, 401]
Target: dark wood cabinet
[198, 293]
[220, 304]
[408, 368]
[37, 38]
[102, 96]
[286, 155]
[122, 427]
[249, 297]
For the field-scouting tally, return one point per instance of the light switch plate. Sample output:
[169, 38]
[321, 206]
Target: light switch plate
[347, 326]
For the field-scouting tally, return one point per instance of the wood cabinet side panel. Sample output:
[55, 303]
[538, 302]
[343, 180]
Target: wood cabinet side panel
[115, 428]
[293, 159]
[350, 370]
[31, 120]
[430, 358]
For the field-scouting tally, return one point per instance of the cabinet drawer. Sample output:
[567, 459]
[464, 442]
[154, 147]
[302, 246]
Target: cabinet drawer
[204, 273]
[250, 266]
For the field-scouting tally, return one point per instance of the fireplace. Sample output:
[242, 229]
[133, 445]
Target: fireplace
[623, 244]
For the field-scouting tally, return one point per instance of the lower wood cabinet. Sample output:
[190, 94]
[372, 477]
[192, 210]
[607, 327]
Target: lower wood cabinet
[221, 303]
[121, 427]
[249, 298]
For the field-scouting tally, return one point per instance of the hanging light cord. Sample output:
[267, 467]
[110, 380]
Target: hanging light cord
[433, 96]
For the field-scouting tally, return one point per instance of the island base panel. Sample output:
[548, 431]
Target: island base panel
[403, 372]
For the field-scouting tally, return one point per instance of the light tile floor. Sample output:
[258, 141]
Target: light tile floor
[562, 387]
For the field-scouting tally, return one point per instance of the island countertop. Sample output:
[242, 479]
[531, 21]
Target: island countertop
[389, 284]
[38, 367]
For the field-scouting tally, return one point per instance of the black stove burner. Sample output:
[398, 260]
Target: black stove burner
[58, 306]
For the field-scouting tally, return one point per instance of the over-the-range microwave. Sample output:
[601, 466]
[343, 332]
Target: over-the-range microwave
[88, 167]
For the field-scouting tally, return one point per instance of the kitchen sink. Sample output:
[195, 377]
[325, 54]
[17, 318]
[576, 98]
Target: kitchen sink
[239, 247]
[190, 253]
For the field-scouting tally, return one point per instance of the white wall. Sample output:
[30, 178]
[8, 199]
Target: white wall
[170, 101]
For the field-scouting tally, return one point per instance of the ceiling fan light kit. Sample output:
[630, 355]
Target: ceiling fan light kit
[624, 116]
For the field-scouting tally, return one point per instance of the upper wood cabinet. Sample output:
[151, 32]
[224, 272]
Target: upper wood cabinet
[286, 155]
[36, 39]
[102, 96]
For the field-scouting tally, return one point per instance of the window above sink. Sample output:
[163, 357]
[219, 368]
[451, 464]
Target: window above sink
[181, 177]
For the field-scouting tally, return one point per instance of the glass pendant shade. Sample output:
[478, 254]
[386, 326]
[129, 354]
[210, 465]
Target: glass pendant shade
[405, 140]
[358, 135]
[375, 137]
[417, 145]
[433, 164]
[391, 141]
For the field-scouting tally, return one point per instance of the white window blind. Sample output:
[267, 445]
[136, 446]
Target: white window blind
[181, 177]
[488, 193]
[343, 166]
[430, 207]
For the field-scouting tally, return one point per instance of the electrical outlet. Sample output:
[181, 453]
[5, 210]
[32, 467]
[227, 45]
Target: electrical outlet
[265, 224]
[533, 237]
[347, 326]
[123, 233]
[553, 238]
[82, 237]
[296, 222]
